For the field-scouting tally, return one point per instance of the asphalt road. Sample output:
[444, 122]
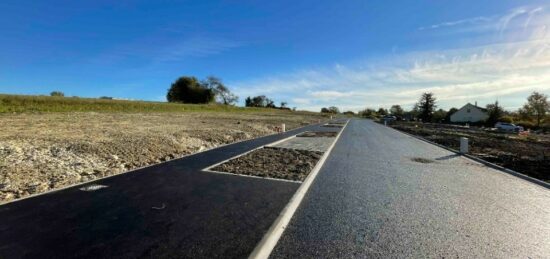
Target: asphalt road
[170, 210]
[371, 199]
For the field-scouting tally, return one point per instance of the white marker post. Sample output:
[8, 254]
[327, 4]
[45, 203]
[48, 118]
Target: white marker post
[283, 128]
[464, 145]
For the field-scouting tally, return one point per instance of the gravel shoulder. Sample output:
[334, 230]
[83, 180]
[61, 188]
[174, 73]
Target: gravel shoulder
[44, 151]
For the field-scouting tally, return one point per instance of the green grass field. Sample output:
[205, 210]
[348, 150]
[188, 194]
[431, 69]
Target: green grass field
[30, 103]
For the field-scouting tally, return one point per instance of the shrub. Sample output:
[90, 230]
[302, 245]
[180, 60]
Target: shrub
[526, 124]
[507, 119]
[189, 90]
[57, 93]
[259, 101]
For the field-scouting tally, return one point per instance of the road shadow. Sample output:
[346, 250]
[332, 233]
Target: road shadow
[447, 157]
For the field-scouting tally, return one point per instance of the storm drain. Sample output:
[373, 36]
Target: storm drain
[93, 187]
[287, 164]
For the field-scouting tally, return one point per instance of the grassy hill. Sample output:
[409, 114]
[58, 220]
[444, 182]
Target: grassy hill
[30, 103]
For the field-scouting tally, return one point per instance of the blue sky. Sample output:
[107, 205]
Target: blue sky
[311, 54]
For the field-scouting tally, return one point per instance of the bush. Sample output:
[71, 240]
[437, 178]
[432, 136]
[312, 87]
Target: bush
[57, 93]
[526, 124]
[189, 90]
[507, 119]
[259, 101]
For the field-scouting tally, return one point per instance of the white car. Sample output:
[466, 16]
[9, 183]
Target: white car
[503, 126]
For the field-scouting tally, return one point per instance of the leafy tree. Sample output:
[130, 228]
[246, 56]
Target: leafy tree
[57, 93]
[439, 115]
[537, 105]
[396, 110]
[259, 101]
[349, 113]
[223, 95]
[325, 110]
[382, 111]
[333, 109]
[283, 104]
[188, 89]
[368, 113]
[270, 103]
[426, 106]
[495, 113]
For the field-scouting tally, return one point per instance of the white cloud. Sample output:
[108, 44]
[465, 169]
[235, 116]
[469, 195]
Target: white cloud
[530, 17]
[473, 20]
[506, 70]
[505, 20]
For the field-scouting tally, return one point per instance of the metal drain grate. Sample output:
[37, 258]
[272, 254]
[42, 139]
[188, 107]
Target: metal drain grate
[93, 187]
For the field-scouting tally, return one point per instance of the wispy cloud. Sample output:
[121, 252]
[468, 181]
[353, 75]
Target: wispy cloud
[153, 51]
[508, 69]
[196, 47]
[530, 17]
[474, 20]
[505, 20]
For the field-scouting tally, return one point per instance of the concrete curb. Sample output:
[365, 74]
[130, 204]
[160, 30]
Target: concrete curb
[479, 160]
[264, 248]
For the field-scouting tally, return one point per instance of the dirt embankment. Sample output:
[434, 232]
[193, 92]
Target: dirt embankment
[39, 152]
[527, 154]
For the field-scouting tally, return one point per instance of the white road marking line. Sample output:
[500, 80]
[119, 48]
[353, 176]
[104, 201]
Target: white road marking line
[264, 248]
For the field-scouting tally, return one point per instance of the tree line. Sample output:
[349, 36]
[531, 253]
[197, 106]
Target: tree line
[189, 89]
[533, 114]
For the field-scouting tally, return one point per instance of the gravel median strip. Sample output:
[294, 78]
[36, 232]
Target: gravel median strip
[288, 164]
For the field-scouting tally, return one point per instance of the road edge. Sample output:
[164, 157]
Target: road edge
[270, 239]
[151, 165]
[479, 160]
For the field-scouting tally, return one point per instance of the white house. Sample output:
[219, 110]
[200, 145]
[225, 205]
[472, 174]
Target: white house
[470, 113]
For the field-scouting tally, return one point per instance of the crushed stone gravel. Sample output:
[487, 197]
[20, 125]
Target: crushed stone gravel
[288, 164]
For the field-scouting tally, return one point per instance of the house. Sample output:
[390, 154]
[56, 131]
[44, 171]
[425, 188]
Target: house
[470, 113]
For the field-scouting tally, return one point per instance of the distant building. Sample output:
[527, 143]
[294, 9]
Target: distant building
[470, 113]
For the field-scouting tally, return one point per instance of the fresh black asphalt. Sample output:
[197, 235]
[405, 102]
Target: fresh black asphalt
[170, 210]
[384, 194]
[375, 196]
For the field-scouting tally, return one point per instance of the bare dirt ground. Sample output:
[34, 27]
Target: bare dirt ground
[40, 152]
[527, 154]
[289, 164]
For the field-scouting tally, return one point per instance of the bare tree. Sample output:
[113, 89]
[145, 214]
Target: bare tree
[223, 95]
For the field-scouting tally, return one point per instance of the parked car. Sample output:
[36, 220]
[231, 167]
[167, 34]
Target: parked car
[504, 126]
[389, 118]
